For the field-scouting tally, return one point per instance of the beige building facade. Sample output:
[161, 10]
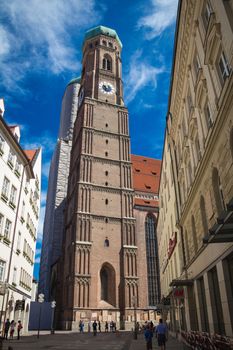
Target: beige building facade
[199, 146]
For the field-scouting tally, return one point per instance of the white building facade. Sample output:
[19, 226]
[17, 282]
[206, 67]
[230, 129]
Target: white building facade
[20, 179]
[57, 189]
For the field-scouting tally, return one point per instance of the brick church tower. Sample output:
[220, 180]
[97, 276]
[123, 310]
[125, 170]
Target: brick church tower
[100, 250]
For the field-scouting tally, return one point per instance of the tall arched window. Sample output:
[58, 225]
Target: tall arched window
[203, 216]
[152, 261]
[107, 63]
[218, 194]
[194, 233]
[108, 284]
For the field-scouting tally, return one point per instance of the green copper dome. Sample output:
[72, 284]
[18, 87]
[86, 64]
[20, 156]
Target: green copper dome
[91, 33]
[75, 81]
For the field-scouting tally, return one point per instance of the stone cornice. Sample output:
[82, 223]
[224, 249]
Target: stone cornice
[94, 101]
[105, 188]
[106, 133]
[105, 160]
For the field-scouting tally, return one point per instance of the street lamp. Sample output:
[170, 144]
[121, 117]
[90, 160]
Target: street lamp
[53, 305]
[134, 299]
[40, 300]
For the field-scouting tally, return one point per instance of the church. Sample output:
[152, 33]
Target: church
[108, 269]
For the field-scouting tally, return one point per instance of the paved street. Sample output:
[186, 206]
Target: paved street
[70, 341]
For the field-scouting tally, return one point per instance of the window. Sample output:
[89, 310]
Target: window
[106, 125]
[106, 154]
[196, 64]
[17, 168]
[7, 230]
[206, 13]
[14, 275]
[106, 173]
[106, 242]
[104, 42]
[231, 142]
[106, 201]
[106, 183]
[107, 63]
[203, 305]
[152, 260]
[2, 270]
[2, 142]
[13, 195]
[203, 216]
[110, 44]
[1, 224]
[197, 148]
[18, 241]
[189, 102]
[223, 67]
[23, 210]
[106, 141]
[5, 187]
[11, 157]
[194, 234]
[218, 194]
[208, 115]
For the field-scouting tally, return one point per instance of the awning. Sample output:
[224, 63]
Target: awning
[181, 283]
[222, 230]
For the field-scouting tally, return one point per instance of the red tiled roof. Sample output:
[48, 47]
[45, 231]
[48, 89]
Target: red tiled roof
[146, 202]
[30, 153]
[146, 174]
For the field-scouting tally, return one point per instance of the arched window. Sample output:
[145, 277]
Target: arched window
[108, 284]
[106, 242]
[218, 194]
[231, 142]
[203, 216]
[194, 234]
[107, 63]
[152, 260]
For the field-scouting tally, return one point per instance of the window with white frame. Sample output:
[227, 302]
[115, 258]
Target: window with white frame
[11, 157]
[19, 241]
[208, 115]
[2, 270]
[5, 187]
[23, 210]
[2, 142]
[1, 224]
[14, 275]
[223, 67]
[7, 231]
[13, 195]
[17, 167]
[206, 13]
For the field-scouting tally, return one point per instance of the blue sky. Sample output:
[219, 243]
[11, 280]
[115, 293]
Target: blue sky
[40, 52]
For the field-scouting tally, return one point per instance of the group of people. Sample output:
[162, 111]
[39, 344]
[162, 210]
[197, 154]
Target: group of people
[96, 326]
[11, 326]
[161, 333]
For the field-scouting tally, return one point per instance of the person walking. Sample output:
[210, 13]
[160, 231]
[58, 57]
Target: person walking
[19, 327]
[6, 328]
[94, 326]
[106, 326]
[99, 326]
[148, 335]
[161, 334]
[12, 329]
[89, 327]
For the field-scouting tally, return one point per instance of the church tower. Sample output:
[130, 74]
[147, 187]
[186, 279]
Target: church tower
[100, 249]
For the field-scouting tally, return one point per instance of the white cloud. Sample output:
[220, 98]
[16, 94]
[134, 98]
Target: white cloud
[40, 36]
[140, 75]
[41, 224]
[46, 141]
[162, 14]
[43, 197]
[45, 169]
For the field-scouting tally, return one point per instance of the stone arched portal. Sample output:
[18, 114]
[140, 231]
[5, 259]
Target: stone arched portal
[108, 284]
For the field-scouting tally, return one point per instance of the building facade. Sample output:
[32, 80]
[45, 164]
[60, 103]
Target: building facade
[19, 213]
[199, 146]
[102, 276]
[57, 189]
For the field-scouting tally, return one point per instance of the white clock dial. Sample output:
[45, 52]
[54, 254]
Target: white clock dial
[106, 88]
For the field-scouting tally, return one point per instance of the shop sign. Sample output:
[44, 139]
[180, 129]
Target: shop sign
[178, 293]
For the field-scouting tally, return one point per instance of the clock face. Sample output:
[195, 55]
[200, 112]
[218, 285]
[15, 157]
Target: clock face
[106, 88]
[81, 96]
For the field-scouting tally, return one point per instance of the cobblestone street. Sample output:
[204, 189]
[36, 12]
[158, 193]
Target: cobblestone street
[77, 341]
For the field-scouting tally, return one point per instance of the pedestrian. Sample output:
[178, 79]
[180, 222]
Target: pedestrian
[6, 328]
[111, 326]
[106, 326]
[89, 326]
[99, 326]
[81, 325]
[162, 334]
[94, 326]
[19, 327]
[12, 329]
[148, 335]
